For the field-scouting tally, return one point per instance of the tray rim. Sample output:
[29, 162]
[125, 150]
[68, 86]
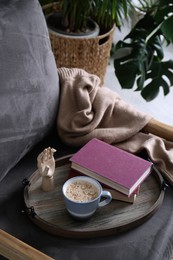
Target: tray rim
[63, 232]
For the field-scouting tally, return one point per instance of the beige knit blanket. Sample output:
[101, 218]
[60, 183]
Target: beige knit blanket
[87, 110]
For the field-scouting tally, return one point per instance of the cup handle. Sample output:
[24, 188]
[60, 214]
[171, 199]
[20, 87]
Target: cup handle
[108, 196]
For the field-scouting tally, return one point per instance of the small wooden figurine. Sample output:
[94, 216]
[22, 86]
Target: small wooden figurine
[46, 167]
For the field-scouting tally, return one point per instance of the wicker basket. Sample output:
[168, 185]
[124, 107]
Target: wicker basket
[90, 54]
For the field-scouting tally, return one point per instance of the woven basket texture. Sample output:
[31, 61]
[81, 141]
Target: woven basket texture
[90, 54]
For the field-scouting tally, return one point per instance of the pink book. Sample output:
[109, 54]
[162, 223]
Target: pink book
[111, 166]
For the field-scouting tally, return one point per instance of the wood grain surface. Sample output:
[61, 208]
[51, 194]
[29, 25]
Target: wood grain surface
[52, 216]
[13, 248]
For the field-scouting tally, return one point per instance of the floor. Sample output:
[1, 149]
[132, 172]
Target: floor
[160, 108]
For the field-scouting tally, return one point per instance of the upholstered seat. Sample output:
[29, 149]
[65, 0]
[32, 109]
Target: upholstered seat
[29, 99]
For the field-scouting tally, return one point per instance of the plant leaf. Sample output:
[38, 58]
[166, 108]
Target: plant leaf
[150, 91]
[167, 29]
[145, 63]
[165, 13]
[160, 75]
[156, 45]
[124, 67]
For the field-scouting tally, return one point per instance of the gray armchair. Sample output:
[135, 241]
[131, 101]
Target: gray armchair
[29, 97]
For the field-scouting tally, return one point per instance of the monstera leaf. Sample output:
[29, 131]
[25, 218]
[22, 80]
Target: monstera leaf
[144, 63]
[164, 13]
[159, 75]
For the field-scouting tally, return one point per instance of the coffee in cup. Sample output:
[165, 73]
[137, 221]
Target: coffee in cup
[82, 196]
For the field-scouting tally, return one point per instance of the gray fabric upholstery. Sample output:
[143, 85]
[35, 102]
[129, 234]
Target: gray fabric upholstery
[29, 84]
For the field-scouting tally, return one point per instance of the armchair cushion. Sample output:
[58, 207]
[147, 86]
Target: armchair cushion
[29, 88]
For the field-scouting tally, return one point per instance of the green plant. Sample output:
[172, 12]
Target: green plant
[105, 12]
[75, 14]
[144, 63]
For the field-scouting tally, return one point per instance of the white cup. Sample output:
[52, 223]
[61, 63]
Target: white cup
[81, 207]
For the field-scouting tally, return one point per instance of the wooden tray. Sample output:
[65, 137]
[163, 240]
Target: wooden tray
[47, 209]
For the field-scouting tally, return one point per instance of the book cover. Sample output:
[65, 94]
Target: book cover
[112, 166]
